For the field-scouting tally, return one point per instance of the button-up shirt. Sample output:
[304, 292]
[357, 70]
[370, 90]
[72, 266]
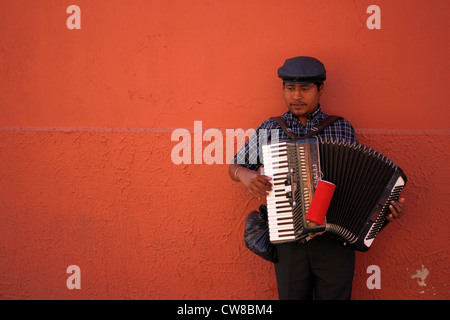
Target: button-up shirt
[250, 156]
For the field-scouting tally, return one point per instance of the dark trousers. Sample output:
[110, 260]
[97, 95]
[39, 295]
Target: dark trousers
[321, 268]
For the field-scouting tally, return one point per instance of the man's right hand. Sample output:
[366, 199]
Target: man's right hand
[257, 184]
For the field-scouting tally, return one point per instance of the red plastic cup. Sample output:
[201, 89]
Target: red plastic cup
[320, 202]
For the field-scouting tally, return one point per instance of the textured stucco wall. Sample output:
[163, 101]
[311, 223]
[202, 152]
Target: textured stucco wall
[419, 241]
[86, 117]
[139, 226]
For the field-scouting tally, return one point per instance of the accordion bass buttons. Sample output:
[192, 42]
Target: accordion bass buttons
[291, 187]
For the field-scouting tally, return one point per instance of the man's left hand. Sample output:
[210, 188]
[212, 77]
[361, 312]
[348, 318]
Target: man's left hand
[397, 209]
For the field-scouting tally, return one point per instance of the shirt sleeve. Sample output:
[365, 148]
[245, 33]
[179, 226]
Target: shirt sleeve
[250, 155]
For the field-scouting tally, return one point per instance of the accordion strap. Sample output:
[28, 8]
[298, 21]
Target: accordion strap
[322, 125]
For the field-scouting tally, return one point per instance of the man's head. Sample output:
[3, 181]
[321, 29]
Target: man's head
[302, 84]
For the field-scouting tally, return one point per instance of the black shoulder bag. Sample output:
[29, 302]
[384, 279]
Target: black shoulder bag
[256, 233]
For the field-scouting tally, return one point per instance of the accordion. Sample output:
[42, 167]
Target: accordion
[366, 182]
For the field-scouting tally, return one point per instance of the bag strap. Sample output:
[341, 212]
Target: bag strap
[284, 126]
[322, 125]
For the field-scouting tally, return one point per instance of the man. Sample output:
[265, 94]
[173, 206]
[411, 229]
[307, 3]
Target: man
[321, 268]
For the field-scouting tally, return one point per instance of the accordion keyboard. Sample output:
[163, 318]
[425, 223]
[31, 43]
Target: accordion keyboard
[279, 200]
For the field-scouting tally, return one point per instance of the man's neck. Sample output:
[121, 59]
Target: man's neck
[303, 119]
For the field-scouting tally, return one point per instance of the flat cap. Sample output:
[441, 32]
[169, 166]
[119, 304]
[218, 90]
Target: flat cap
[302, 70]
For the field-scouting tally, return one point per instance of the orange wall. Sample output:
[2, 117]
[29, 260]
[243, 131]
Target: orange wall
[86, 117]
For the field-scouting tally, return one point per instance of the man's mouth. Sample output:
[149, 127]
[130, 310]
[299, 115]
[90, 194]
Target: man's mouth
[298, 104]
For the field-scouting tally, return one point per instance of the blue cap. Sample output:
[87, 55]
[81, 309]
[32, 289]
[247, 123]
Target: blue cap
[302, 70]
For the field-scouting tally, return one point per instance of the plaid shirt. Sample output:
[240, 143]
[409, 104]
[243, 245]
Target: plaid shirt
[250, 155]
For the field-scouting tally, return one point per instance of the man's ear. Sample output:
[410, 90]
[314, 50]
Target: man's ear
[321, 88]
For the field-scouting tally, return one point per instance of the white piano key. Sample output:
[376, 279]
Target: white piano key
[280, 217]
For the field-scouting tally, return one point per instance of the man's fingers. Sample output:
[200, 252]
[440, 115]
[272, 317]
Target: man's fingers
[265, 181]
[260, 189]
[397, 209]
[258, 185]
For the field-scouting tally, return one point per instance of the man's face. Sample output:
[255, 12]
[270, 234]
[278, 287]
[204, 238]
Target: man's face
[302, 99]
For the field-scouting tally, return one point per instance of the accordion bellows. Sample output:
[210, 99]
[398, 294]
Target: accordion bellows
[366, 181]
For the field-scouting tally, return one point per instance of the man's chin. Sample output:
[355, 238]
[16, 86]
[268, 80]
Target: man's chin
[298, 113]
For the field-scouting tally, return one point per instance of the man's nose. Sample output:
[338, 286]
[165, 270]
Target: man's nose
[297, 93]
